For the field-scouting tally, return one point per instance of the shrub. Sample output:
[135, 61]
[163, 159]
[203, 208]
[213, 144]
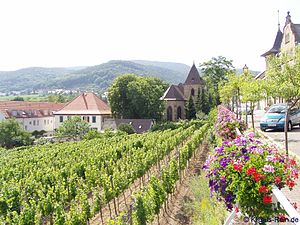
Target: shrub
[128, 128]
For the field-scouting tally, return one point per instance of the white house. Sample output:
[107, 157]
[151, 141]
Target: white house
[89, 107]
[33, 116]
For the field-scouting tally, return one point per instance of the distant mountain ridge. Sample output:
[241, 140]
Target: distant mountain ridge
[94, 78]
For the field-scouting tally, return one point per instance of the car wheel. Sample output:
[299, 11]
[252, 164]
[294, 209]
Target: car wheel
[290, 126]
[263, 130]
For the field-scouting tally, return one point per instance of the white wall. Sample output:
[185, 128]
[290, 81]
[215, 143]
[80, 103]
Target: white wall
[2, 117]
[38, 123]
[97, 125]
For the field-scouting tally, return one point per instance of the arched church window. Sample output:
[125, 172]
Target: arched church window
[179, 112]
[169, 114]
[192, 92]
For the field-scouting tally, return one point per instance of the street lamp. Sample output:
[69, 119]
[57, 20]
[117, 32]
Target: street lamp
[245, 70]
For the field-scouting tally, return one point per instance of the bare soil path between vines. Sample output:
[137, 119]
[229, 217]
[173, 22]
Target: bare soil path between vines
[176, 213]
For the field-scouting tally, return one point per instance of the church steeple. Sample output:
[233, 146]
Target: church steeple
[193, 76]
[288, 18]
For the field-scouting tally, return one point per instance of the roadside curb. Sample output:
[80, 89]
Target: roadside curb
[279, 145]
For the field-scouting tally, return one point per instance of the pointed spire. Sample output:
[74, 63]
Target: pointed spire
[288, 18]
[278, 20]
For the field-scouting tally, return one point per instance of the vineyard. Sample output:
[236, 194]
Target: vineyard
[70, 183]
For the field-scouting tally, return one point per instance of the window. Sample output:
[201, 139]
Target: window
[44, 122]
[179, 112]
[34, 123]
[48, 121]
[94, 119]
[61, 119]
[30, 122]
[86, 118]
[169, 114]
[193, 92]
[25, 127]
[37, 122]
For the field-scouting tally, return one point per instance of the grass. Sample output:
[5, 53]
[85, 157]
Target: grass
[33, 98]
[204, 209]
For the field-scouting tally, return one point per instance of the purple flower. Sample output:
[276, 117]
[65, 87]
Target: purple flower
[224, 162]
[246, 158]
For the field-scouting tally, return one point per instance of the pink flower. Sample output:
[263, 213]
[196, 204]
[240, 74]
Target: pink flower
[251, 135]
[271, 158]
[268, 169]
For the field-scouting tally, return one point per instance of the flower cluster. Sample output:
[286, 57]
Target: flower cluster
[244, 171]
[227, 123]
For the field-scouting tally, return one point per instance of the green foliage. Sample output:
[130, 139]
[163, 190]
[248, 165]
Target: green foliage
[283, 77]
[18, 98]
[214, 72]
[190, 109]
[134, 97]
[203, 209]
[38, 133]
[92, 134]
[12, 135]
[73, 128]
[127, 128]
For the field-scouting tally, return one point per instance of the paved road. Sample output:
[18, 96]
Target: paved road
[278, 136]
[294, 146]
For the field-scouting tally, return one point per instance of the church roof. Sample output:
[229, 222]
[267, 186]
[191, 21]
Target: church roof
[276, 46]
[85, 104]
[296, 30]
[194, 77]
[173, 93]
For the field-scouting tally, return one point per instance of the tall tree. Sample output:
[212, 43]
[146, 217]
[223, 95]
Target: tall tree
[190, 109]
[73, 128]
[215, 71]
[12, 135]
[284, 79]
[134, 97]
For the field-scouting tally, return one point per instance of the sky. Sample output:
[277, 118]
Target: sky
[66, 33]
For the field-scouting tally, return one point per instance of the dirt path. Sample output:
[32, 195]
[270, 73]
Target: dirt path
[175, 213]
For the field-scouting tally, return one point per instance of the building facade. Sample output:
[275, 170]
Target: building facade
[176, 96]
[285, 42]
[89, 107]
[32, 116]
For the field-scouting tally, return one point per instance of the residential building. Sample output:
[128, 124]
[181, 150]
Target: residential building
[89, 107]
[285, 42]
[33, 116]
[176, 96]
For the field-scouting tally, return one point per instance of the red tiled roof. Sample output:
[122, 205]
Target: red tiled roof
[86, 103]
[23, 109]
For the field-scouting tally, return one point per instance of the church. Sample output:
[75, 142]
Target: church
[176, 96]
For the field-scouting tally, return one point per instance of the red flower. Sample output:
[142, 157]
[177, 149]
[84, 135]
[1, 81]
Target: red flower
[267, 199]
[281, 218]
[251, 171]
[258, 177]
[236, 209]
[237, 167]
[263, 189]
[294, 204]
[290, 183]
[277, 180]
[292, 162]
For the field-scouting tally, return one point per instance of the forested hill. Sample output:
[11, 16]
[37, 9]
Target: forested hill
[95, 77]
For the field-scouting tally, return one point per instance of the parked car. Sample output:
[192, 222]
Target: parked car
[274, 118]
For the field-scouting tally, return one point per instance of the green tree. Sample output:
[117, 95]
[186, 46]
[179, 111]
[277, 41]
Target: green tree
[18, 98]
[190, 109]
[215, 71]
[73, 128]
[134, 97]
[284, 79]
[128, 128]
[12, 135]
[251, 91]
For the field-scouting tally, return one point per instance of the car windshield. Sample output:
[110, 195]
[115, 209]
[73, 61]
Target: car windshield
[277, 109]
